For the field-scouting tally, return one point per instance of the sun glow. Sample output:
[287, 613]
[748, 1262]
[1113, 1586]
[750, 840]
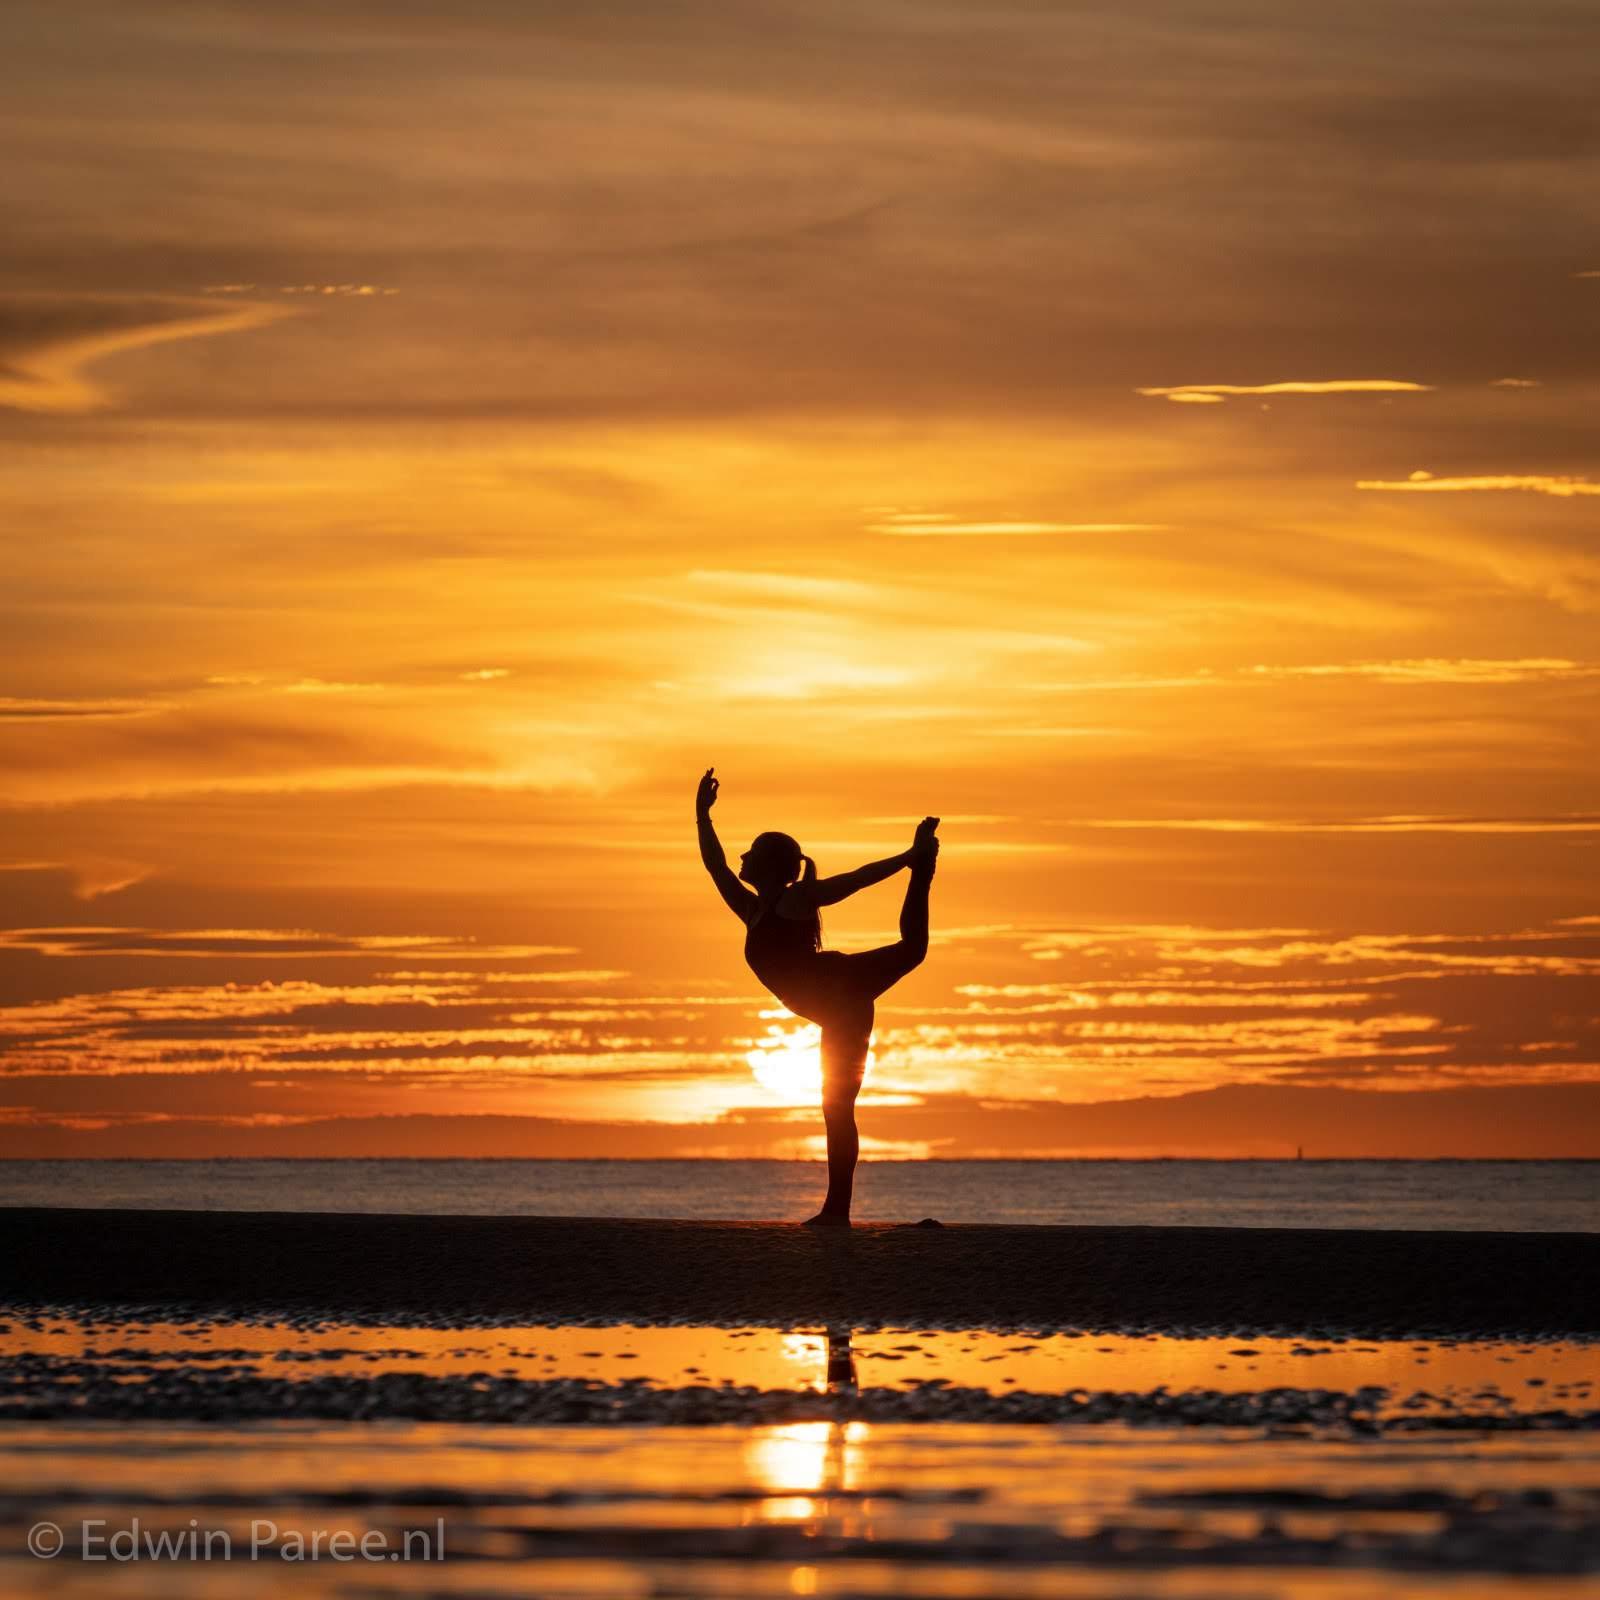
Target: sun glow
[787, 1062]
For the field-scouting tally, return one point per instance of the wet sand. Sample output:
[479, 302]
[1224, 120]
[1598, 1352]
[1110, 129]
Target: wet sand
[1485, 1378]
[59, 1367]
[458, 1271]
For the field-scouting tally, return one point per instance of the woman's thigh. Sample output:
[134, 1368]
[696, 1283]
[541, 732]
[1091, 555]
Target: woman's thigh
[838, 995]
[830, 993]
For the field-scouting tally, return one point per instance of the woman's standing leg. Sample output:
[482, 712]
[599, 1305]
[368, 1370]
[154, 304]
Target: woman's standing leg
[860, 978]
[844, 1061]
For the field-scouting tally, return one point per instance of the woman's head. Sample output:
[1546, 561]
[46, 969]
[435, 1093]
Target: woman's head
[772, 861]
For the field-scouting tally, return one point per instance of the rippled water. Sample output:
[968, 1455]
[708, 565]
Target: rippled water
[1559, 1196]
[806, 1508]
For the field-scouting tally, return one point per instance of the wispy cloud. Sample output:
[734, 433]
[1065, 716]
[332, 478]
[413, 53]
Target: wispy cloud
[51, 374]
[358, 291]
[1136, 681]
[801, 679]
[965, 819]
[262, 943]
[329, 686]
[13, 708]
[1213, 393]
[933, 524]
[1418, 670]
[1532, 482]
[1576, 822]
[1563, 949]
[92, 874]
[1442, 669]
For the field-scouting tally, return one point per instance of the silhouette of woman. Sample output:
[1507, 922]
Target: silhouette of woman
[783, 944]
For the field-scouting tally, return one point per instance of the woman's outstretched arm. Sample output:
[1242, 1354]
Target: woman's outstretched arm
[740, 901]
[830, 891]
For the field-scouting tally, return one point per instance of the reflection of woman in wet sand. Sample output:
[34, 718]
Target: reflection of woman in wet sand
[783, 944]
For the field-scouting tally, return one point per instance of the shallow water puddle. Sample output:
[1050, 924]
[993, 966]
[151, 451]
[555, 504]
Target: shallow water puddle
[1485, 1378]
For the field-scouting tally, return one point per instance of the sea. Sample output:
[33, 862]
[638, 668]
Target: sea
[1471, 1196]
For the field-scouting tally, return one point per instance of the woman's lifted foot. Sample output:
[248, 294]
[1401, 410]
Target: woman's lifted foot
[924, 849]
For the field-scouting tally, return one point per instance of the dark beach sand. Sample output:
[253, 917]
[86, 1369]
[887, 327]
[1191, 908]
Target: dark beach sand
[457, 1270]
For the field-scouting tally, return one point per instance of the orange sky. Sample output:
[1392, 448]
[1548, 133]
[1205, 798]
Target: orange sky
[1157, 441]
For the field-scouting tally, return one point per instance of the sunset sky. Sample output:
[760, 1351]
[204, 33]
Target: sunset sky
[1156, 437]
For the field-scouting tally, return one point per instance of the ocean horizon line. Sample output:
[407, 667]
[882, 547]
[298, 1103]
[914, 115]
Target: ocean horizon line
[808, 1161]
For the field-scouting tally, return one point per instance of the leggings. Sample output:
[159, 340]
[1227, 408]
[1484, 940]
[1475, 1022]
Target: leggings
[840, 992]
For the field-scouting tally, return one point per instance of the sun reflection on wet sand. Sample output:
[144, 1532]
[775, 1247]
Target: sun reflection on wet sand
[800, 1464]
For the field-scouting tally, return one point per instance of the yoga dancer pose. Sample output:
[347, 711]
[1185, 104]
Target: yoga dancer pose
[783, 944]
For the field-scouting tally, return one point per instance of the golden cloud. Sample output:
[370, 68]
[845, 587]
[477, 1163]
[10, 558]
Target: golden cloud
[931, 524]
[1441, 669]
[1532, 482]
[1211, 393]
[1576, 823]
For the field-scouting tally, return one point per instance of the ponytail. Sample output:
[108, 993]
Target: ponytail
[809, 876]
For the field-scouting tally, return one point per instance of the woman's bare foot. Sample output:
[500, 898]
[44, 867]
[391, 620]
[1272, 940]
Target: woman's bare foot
[924, 849]
[827, 1219]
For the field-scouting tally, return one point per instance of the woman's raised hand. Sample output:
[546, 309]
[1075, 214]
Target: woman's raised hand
[706, 795]
[925, 845]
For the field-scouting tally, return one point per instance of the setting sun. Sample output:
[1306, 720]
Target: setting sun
[787, 1064]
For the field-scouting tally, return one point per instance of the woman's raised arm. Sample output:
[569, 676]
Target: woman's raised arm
[739, 900]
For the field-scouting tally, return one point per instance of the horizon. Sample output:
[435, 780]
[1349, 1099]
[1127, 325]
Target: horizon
[881, 1161]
